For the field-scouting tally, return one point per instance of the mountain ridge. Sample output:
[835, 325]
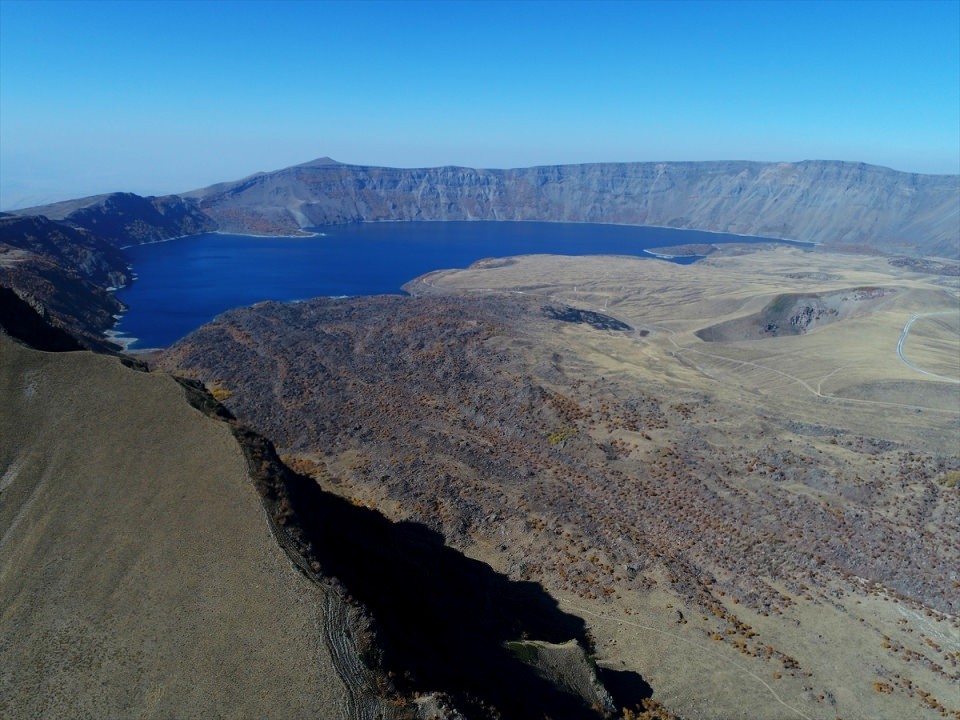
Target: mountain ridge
[831, 202]
[124, 218]
[840, 204]
[63, 272]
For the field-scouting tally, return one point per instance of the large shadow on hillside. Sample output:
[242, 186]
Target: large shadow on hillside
[442, 618]
[22, 322]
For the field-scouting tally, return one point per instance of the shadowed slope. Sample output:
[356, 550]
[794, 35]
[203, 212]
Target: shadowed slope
[21, 321]
[442, 618]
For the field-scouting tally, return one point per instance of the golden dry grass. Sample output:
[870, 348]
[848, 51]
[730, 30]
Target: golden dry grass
[849, 368]
[138, 576]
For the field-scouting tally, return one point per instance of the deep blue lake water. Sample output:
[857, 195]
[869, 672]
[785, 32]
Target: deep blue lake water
[183, 283]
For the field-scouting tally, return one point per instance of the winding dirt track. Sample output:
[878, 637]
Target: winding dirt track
[903, 339]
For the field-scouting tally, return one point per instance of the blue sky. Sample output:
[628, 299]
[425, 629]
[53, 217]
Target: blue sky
[165, 97]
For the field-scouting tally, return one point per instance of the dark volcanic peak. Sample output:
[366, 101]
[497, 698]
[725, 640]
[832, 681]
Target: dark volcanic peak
[835, 203]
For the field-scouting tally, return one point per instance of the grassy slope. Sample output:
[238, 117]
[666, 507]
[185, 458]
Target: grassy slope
[137, 574]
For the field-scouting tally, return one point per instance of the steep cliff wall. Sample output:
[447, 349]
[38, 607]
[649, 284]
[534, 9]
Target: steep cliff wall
[835, 203]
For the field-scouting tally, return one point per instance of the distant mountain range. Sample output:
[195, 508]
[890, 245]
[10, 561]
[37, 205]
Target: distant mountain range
[839, 204]
[63, 258]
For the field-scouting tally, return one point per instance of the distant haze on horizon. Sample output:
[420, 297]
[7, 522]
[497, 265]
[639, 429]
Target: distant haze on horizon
[158, 98]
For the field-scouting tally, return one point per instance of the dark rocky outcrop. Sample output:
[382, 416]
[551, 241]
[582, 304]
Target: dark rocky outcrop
[595, 320]
[796, 314]
[63, 273]
[19, 320]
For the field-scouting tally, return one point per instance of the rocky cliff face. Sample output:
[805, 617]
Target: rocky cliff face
[835, 203]
[71, 248]
[63, 273]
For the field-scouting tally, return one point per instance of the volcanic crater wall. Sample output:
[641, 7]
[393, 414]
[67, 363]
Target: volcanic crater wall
[836, 203]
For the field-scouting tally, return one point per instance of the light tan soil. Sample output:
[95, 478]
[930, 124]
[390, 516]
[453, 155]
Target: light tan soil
[138, 576]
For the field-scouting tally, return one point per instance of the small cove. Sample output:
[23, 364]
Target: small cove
[184, 283]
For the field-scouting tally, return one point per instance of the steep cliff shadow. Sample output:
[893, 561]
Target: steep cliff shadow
[628, 689]
[442, 617]
[21, 321]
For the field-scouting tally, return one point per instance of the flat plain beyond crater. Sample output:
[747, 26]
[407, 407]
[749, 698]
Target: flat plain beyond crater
[829, 323]
[742, 473]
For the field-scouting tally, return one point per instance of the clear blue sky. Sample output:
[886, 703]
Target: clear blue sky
[169, 96]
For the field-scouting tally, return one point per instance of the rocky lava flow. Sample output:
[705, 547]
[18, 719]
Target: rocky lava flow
[475, 417]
